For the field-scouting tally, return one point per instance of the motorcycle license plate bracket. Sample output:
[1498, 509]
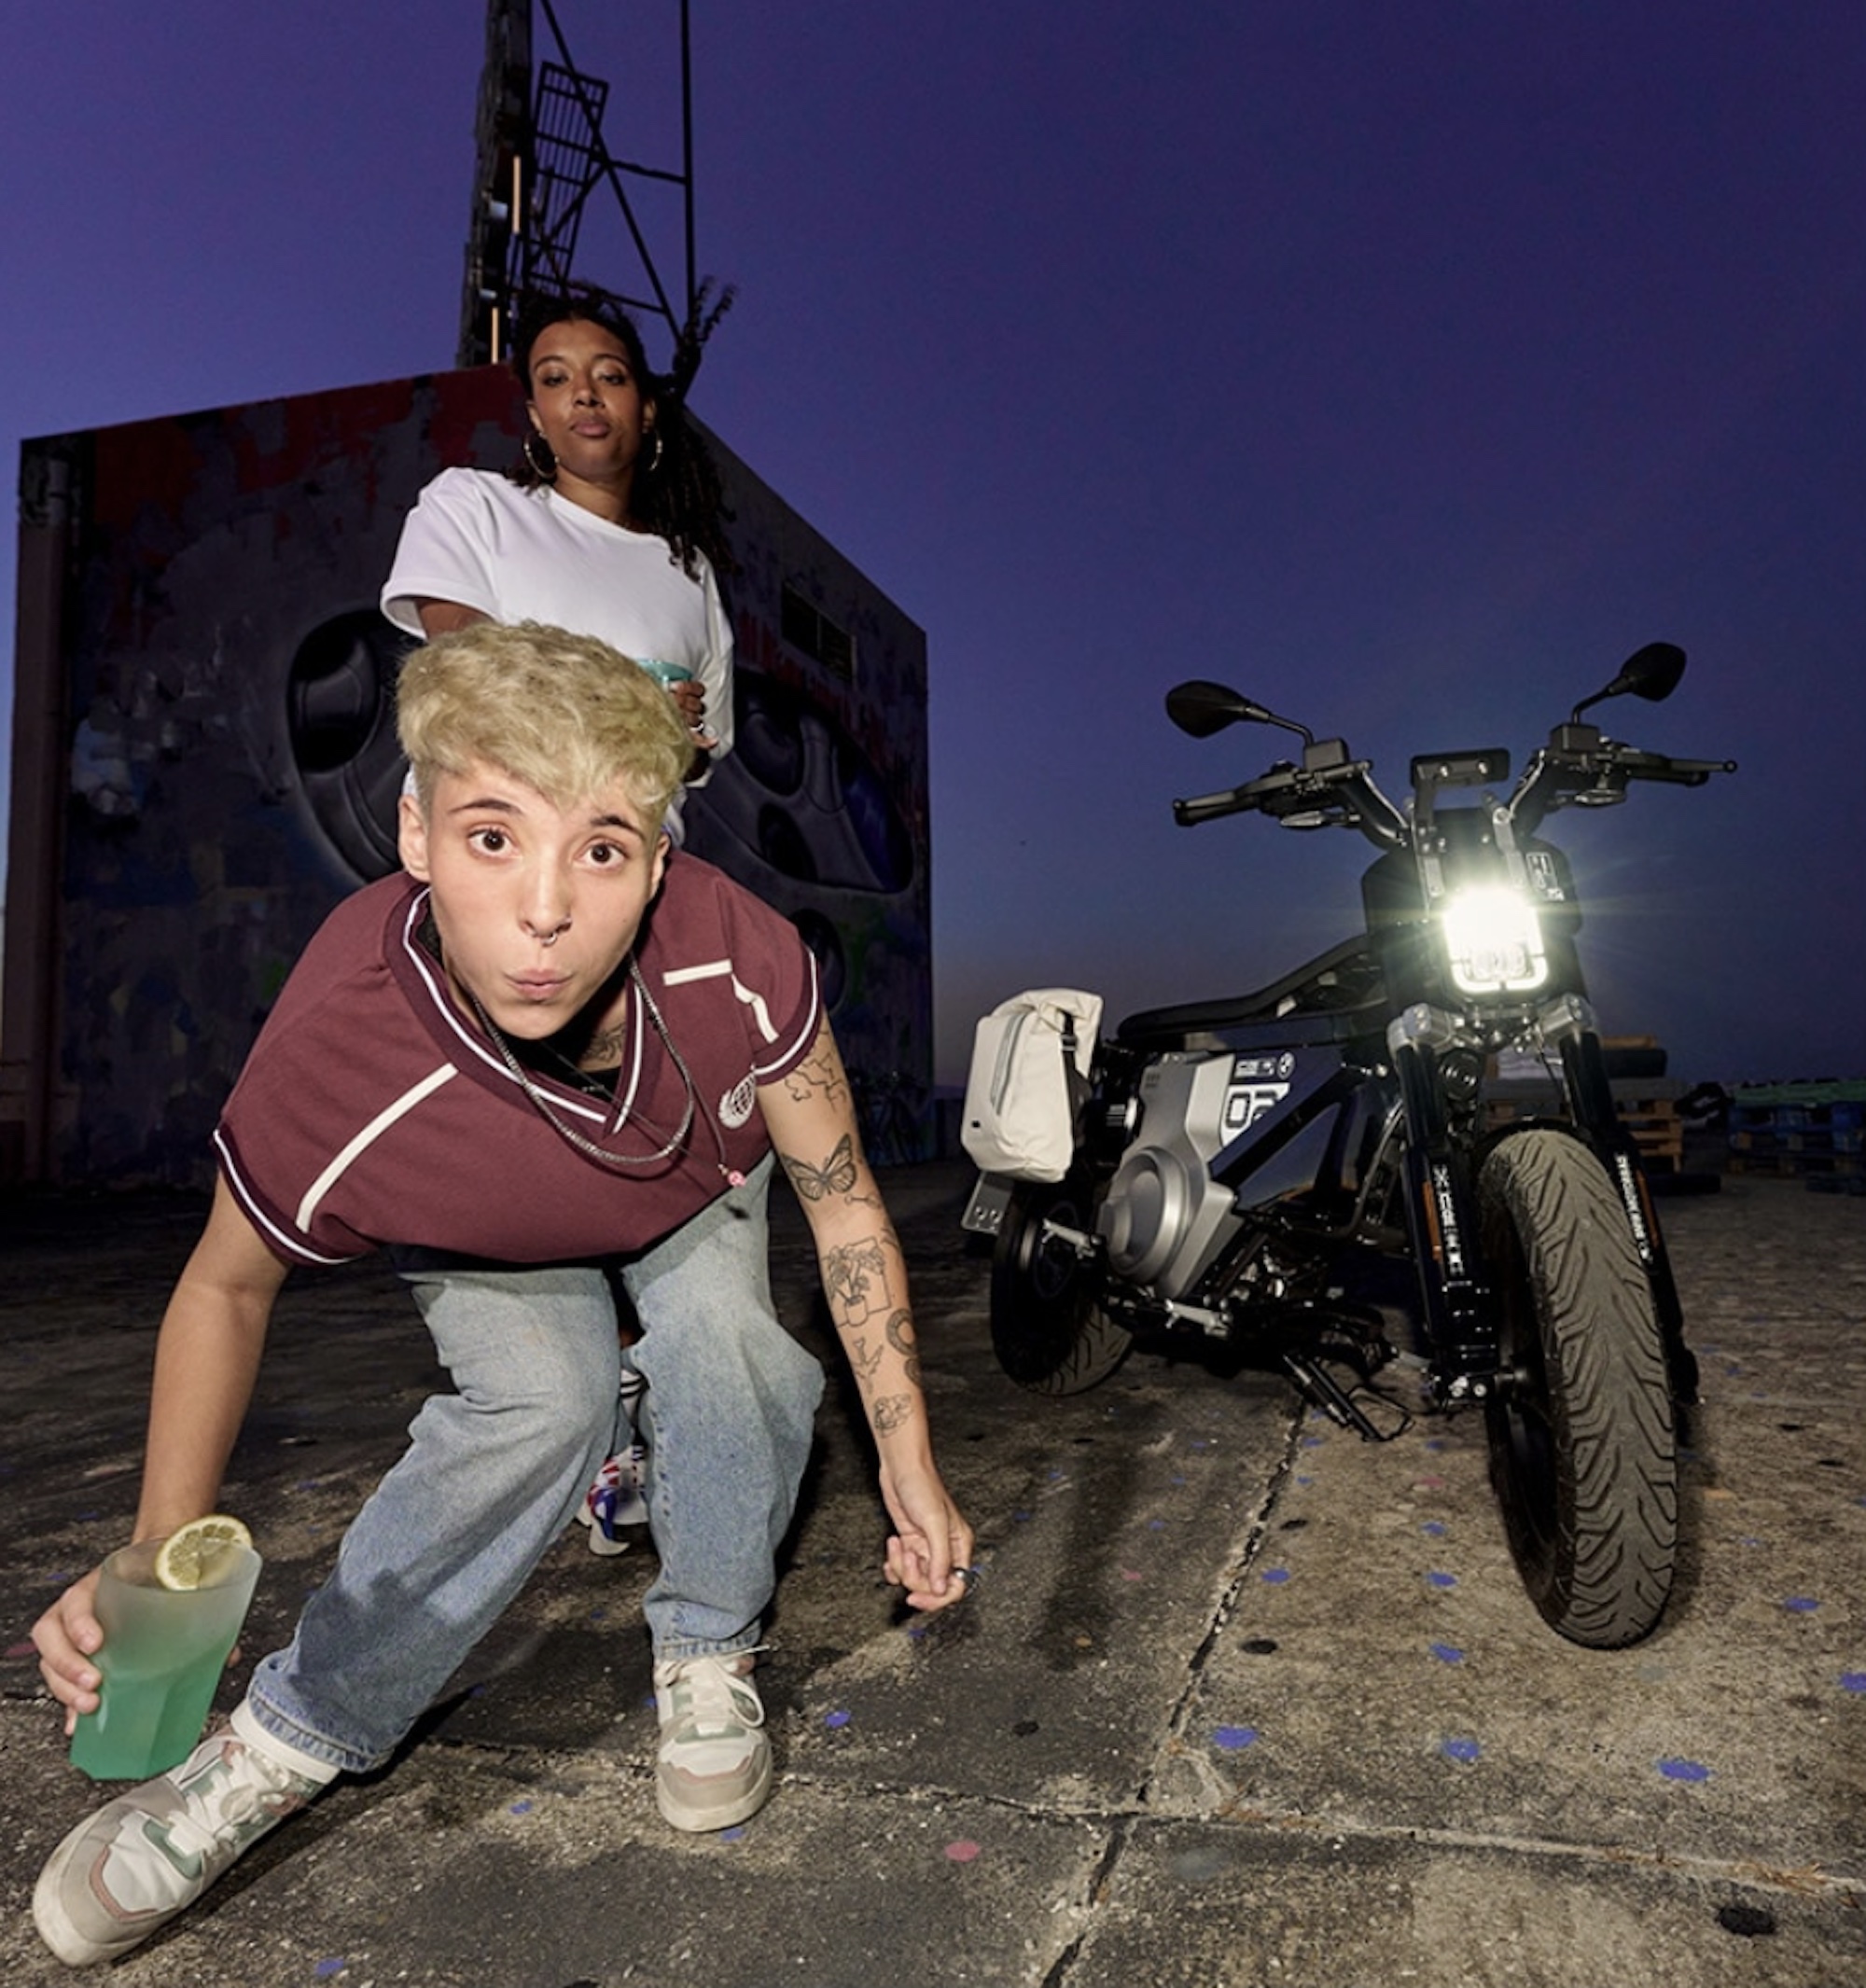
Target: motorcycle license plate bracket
[989, 1203]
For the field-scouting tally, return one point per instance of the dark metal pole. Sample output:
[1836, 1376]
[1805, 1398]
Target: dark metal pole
[687, 147]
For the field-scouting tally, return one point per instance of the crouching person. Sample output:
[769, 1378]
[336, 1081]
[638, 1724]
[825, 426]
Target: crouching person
[542, 1055]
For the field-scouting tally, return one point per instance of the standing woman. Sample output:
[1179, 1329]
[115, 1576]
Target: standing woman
[609, 524]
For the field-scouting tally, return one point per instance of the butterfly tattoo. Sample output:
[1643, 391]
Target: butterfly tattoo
[837, 1177]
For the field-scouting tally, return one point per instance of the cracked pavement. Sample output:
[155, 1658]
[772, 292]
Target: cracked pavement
[1240, 1699]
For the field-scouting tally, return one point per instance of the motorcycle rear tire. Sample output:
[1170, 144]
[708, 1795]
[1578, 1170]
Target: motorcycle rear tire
[1049, 1333]
[1583, 1446]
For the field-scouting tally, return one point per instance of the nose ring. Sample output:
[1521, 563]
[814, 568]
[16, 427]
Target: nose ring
[551, 939]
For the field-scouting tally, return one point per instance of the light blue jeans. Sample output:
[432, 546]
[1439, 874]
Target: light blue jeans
[496, 1469]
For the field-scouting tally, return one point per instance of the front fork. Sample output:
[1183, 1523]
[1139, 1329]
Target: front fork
[1459, 1304]
[1585, 1066]
[1442, 1216]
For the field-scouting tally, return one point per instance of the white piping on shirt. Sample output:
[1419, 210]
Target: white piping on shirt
[307, 1208]
[287, 1242]
[716, 969]
[813, 1021]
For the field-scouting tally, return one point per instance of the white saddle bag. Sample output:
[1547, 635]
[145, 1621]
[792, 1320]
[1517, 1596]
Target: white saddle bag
[1031, 1058]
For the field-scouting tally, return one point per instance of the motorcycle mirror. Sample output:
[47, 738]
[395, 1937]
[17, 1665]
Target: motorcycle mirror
[1651, 673]
[1201, 708]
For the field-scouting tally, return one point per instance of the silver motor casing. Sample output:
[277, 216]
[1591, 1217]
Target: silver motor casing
[1163, 1216]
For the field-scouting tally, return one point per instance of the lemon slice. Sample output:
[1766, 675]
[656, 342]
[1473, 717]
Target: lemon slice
[189, 1553]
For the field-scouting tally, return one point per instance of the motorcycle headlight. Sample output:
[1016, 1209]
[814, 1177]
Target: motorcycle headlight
[1494, 942]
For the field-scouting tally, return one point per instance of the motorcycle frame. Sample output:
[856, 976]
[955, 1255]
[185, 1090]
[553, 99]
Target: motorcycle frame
[1404, 1075]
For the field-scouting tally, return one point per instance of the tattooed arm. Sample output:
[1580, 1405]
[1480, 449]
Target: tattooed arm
[810, 1114]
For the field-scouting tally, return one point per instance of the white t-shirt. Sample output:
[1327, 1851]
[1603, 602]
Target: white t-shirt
[475, 538]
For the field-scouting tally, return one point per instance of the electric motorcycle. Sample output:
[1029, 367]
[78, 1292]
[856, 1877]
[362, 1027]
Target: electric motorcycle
[1316, 1176]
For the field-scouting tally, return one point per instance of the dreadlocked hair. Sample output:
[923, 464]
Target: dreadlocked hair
[678, 495]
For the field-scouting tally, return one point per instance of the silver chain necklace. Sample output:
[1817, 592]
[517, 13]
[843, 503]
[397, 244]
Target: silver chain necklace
[587, 1147]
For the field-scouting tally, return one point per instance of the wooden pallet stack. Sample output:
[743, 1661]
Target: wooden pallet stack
[1647, 1103]
[1812, 1132]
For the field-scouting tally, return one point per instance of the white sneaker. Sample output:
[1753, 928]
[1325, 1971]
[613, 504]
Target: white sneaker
[128, 1869]
[714, 1767]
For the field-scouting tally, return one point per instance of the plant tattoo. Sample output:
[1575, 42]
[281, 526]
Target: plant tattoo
[856, 1278]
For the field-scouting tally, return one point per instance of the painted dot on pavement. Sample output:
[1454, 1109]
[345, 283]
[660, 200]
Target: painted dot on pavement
[736, 1834]
[1684, 1769]
[1434, 1528]
[1132, 1574]
[1438, 1580]
[521, 1808]
[1801, 1604]
[1275, 1577]
[326, 1968]
[1234, 1739]
[836, 1718]
[1853, 1680]
[962, 1851]
[1447, 1653]
[1461, 1749]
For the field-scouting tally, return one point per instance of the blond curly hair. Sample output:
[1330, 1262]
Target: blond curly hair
[565, 713]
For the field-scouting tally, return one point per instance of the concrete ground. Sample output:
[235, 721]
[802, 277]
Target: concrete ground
[1239, 1701]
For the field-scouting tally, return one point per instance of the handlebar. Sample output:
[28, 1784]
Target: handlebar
[1595, 772]
[1306, 796]
[1580, 765]
[1572, 767]
[1253, 794]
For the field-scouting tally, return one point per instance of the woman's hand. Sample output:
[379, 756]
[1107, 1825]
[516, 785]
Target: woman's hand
[691, 696]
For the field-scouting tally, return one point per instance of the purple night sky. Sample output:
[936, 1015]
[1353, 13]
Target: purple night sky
[1405, 367]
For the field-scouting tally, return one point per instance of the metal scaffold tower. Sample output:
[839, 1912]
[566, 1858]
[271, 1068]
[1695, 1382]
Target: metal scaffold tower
[541, 159]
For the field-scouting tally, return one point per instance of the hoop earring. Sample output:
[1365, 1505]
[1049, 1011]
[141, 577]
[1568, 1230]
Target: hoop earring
[538, 469]
[654, 461]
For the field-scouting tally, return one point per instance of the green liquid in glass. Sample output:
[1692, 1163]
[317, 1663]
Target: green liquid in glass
[146, 1724]
[162, 1656]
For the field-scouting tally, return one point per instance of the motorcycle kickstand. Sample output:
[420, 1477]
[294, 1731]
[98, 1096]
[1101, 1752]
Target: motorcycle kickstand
[1320, 1387]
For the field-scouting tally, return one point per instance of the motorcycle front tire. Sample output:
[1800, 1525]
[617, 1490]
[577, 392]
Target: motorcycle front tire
[1047, 1331]
[1583, 1444]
